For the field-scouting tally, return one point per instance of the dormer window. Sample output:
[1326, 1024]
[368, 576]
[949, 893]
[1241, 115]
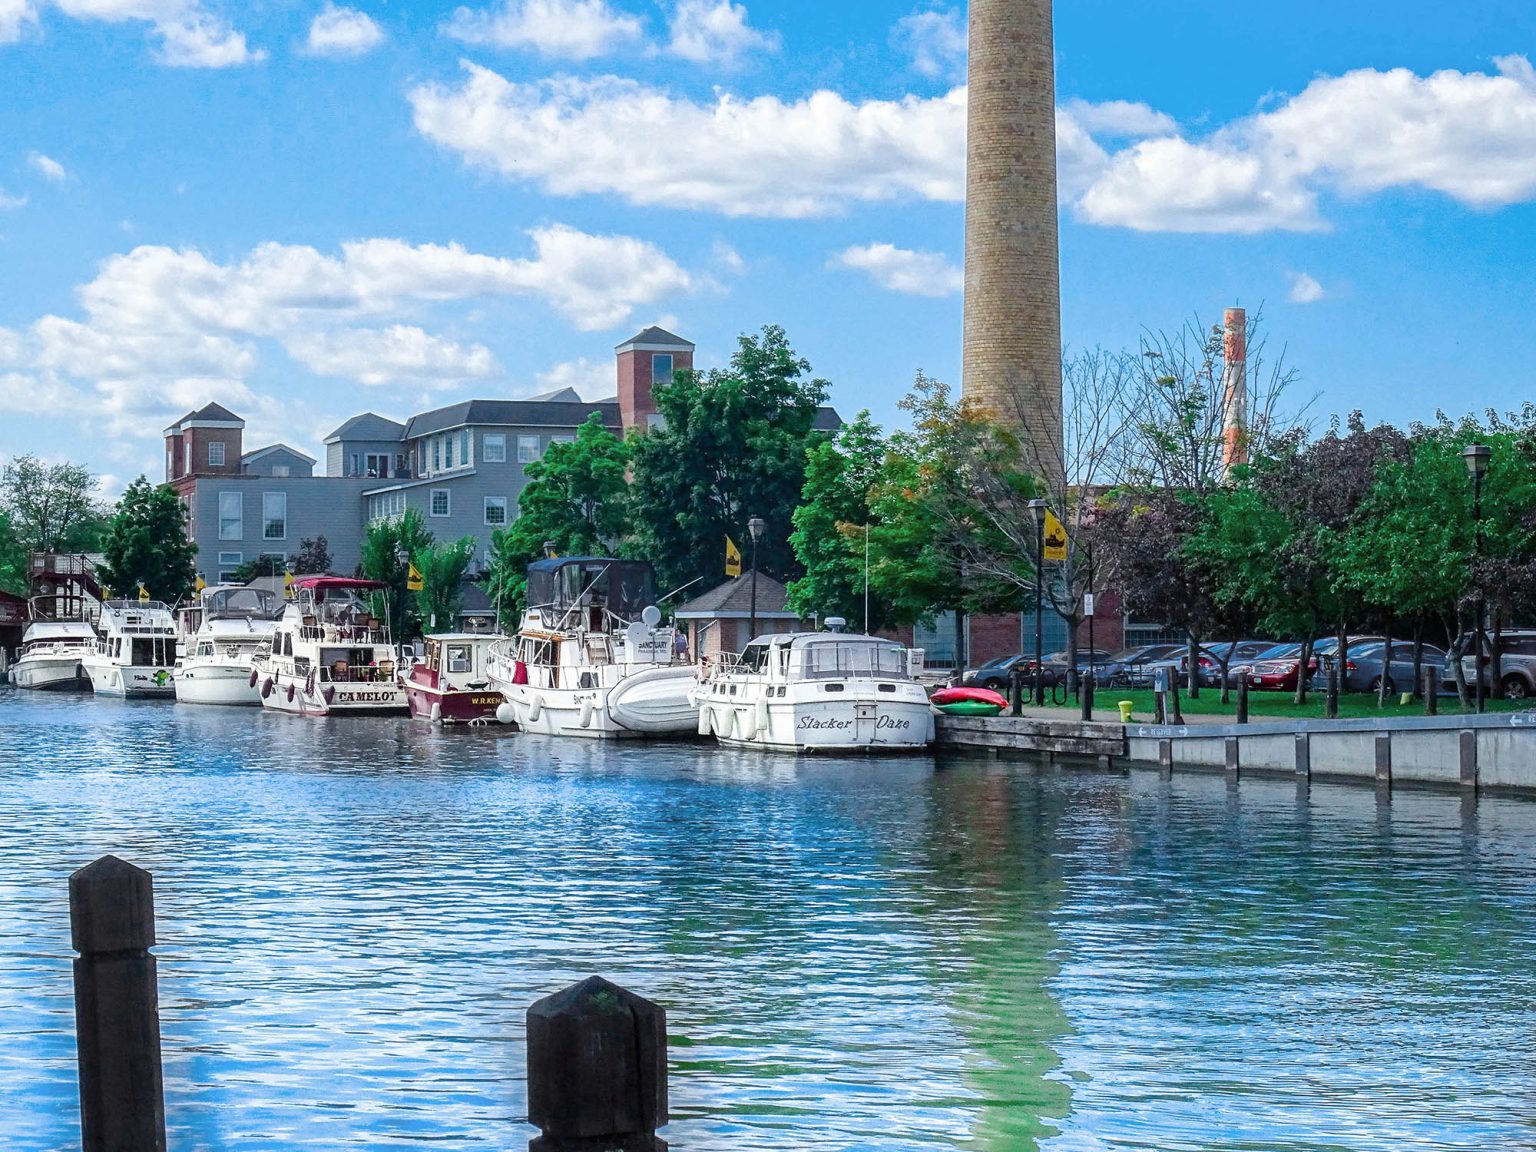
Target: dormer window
[216, 454]
[661, 368]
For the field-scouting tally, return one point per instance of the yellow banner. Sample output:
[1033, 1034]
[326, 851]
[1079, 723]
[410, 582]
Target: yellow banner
[413, 580]
[1055, 537]
[143, 594]
[288, 585]
[732, 558]
[200, 584]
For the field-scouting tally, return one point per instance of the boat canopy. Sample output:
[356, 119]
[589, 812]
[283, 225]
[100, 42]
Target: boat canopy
[240, 600]
[624, 587]
[828, 655]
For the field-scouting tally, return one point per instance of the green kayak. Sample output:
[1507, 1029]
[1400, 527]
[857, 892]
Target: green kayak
[969, 708]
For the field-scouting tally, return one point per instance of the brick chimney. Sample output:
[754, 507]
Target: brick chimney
[644, 361]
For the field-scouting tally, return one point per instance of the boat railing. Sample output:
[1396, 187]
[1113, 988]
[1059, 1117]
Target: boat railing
[342, 634]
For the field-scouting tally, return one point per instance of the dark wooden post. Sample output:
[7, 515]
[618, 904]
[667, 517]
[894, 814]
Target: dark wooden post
[597, 1070]
[1431, 693]
[1016, 689]
[117, 1010]
[1242, 700]
[1088, 689]
[1176, 715]
[1331, 699]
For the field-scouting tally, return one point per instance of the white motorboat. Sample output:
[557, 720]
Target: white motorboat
[817, 692]
[52, 655]
[135, 651]
[232, 624]
[329, 654]
[592, 657]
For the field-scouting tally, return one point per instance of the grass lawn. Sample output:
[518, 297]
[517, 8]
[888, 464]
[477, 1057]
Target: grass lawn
[1280, 705]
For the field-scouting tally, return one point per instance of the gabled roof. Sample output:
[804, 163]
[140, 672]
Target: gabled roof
[368, 426]
[734, 597]
[654, 337]
[561, 395]
[510, 413]
[207, 414]
[252, 457]
[827, 419]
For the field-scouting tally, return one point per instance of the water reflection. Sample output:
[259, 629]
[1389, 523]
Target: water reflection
[854, 954]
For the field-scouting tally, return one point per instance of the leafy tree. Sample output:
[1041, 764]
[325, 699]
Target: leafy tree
[13, 559]
[260, 568]
[313, 557]
[52, 507]
[732, 446]
[147, 544]
[383, 542]
[577, 498]
[834, 528]
[443, 568]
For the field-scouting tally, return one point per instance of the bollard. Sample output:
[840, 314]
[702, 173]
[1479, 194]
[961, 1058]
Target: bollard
[117, 1011]
[1160, 707]
[1178, 713]
[1016, 690]
[1431, 693]
[1331, 700]
[1088, 697]
[597, 1070]
[1242, 700]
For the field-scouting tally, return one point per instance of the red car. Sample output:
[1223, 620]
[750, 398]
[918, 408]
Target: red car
[1277, 669]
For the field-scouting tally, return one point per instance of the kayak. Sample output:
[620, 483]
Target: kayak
[969, 701]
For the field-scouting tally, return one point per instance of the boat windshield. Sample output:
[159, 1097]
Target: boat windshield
[852, 657]
[622, 587]
[226, 602]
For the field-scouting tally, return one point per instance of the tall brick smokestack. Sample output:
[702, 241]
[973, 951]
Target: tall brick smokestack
[1234, 431]
[1012, 353]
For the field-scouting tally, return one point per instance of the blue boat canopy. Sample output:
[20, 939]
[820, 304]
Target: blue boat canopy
[623, 587]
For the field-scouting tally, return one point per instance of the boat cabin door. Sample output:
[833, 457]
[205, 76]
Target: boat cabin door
[865, 717]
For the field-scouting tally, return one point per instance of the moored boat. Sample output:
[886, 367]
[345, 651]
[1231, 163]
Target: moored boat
[233, 623]
[592, 657]
[135, 651]
[450, 685]
[329, 654]
[817, 692]
[52, 655]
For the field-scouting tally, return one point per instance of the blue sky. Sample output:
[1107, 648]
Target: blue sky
[305, 210]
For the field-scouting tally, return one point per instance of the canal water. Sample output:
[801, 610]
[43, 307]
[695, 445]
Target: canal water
[870, 955]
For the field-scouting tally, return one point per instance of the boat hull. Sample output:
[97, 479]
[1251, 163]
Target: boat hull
[299, 696]
[228, 685]
[561, 712]
[146, 680]
[456, 706]
[841, 726]
[51, 674]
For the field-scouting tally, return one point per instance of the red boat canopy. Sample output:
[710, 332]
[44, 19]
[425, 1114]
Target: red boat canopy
[337, 582]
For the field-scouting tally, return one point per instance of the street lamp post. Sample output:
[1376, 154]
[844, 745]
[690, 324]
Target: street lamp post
[403, 559]
[1476, 457]
[1037, 509]
[755, 528]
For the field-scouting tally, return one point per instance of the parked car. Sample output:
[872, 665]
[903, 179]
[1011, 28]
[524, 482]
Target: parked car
[1056, 663]
[1363, 666]
[1274, 669]
[1128, 668]
[994, 674]
[1241, 651]
[1517, 647]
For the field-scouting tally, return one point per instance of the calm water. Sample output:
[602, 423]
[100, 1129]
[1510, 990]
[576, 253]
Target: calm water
[854, 955]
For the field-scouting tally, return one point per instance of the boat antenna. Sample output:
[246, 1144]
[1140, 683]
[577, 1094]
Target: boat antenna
[684, 588]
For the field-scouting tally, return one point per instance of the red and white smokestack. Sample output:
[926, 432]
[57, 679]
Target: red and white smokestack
[1234, 431]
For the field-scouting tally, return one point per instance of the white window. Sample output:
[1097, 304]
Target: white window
[661, 368]
[656, 421]
[274, 515]
[496, 510]
[493, 448]
[562, 439]
[357, 464]
[447, 451]
[441, 502]
[464, 443]
[386, 506]
[527, 449]
[227, 575]
[458, 658]
[231, 559]
[215, 453]
[437, 454]
[231, 516]
[186, 458]
[281, 470]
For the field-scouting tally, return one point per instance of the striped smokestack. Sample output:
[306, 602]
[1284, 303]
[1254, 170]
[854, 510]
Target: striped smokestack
[1012, 353]
[1234, 431]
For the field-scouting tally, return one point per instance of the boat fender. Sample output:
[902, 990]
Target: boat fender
[505, 713]
[437, 713]
[266, 687]
[706, 720]
[761, 727]
[725, 720]
[254, 677]
[586, 713]
[290, 693]
[747, 723]
[535, 707]
[519, 672]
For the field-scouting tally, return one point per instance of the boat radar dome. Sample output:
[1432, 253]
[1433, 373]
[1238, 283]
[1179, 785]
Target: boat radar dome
[651, 615]
[836, 623]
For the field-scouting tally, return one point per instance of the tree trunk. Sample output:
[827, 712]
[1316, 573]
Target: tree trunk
[1303, 671]
[1496, 658]
[1386, 670]
[1342, 656]
[1226, 686]
[960, 652]
[1418, 657]
[1194, 667]
[1458, 670]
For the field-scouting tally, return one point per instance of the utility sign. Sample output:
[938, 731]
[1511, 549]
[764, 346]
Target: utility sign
[1055, 537]
[1087, 603]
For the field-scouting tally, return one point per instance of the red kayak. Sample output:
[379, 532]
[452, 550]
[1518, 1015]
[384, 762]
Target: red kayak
[969, 701]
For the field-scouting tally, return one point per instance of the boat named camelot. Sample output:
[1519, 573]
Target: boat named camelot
[592, 657]
[329, 655]
[817, 692]
[232, 623]
[136, 651]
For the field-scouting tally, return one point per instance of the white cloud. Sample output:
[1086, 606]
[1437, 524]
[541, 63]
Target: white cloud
[190, 36]
[716, 31]
[568, 29]
[1120, 118]
[1305, 289]
[902, 270]
[936, 40]
[727, 259]
[9, 203]
[397, 354]
[14, 15]
[48, 167]
[592, 380]
[342, 32]
[762, 157]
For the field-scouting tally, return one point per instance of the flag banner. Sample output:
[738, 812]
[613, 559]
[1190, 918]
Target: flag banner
[1055, 538]
[413, 580]
[200, 583]
[732, 558]
[143, 594]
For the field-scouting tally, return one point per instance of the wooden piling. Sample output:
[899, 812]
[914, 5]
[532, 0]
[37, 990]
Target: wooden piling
[1431, 693]
[1242, 700]
[597, 1070]
[117, 1010]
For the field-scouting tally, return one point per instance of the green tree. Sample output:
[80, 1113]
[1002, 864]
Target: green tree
[147, 545]
[13, 558]
[834, 528]
[443, 568]
[313, 557]
[383, 544]
[259, 568]
[52, 507]
[576, 498]
[732, 446]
